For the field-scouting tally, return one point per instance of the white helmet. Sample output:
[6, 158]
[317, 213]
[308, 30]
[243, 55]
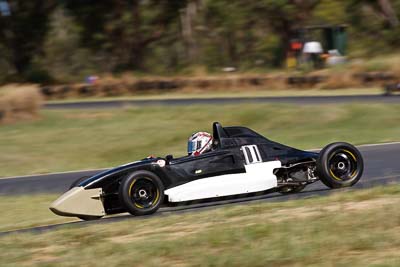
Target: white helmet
[199, 143]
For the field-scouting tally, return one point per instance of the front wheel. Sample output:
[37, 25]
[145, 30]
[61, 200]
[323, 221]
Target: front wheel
[340, 165]
[142, 193]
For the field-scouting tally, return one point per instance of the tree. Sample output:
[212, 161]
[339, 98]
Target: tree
[22, 33]
[382, 8]
[189, 20]
[124, 28]
[388, 12]
[285, 16]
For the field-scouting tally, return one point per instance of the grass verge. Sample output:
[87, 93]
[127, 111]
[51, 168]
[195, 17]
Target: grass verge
[356, 228]
[230, 93]
[86, 139]
[28, 211]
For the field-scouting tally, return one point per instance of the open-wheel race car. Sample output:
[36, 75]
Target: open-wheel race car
[239, 162]
[392, 88]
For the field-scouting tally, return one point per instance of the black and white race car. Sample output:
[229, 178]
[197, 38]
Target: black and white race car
[392, 88]
[240, 163]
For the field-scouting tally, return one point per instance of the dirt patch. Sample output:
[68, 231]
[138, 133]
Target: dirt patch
[370, 204]
[305, 212]
[126, 238]
[175, 231]
[283, 214]
[372, 257]
[178, 231]
[43, 255]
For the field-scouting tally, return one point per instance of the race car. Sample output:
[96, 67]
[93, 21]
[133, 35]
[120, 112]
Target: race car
[391, 88]
[230, 162]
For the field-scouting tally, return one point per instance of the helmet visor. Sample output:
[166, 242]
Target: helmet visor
[193, 146]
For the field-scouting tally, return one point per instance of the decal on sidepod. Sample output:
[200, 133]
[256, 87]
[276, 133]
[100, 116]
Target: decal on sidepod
[258, 177]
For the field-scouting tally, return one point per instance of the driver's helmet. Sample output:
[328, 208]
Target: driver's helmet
[199, 143]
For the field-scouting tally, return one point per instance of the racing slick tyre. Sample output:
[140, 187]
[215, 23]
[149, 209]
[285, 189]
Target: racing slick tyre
[340, 165]
[291, 189]
[141, 193]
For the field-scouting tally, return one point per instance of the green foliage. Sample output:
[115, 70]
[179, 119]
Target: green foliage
[67, 40]
[63, 56]
[124, 29]
[22, 33]
[332, 12]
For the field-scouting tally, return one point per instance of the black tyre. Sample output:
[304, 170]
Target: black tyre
[77, 181]
[89, 218]
[340, 165]
[142, 193]
[291, 189]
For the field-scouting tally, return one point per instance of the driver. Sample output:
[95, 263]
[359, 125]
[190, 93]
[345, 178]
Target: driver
[199, 143]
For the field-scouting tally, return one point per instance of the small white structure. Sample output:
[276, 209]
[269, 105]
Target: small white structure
[313, 48]
[335, 58]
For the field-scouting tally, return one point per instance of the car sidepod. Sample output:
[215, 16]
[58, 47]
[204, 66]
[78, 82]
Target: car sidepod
[257, 177]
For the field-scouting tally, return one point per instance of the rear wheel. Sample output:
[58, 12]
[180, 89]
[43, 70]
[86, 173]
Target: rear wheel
[142, 193]
[340, 165]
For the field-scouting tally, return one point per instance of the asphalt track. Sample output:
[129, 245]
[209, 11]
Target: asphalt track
[301, 100]
[381, 167]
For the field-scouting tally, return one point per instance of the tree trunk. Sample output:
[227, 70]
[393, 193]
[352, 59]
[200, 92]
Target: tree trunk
[389, 13]
[188, 22]
[232, 50]
[21, 65]
[20, 58]
[285, 32]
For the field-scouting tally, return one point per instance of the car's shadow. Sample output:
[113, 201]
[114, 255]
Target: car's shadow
[314, 190]
[273, 197]
[176, 209]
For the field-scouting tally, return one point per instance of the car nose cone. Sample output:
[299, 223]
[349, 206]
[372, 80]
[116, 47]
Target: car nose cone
[79, 201]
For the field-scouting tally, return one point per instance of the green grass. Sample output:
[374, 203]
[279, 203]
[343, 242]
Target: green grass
[356, 228]
[234, 93]
[28, 211]
[85, 139]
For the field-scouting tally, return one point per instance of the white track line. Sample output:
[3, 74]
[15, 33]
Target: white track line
[79, 171]
[365, 145]
[384, 177]
[380, 144]
[54, 173]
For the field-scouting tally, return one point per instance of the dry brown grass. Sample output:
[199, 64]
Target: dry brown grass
[125, 85]
[358, 73]
[347, 228]
[340, 80]
[19, 102]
